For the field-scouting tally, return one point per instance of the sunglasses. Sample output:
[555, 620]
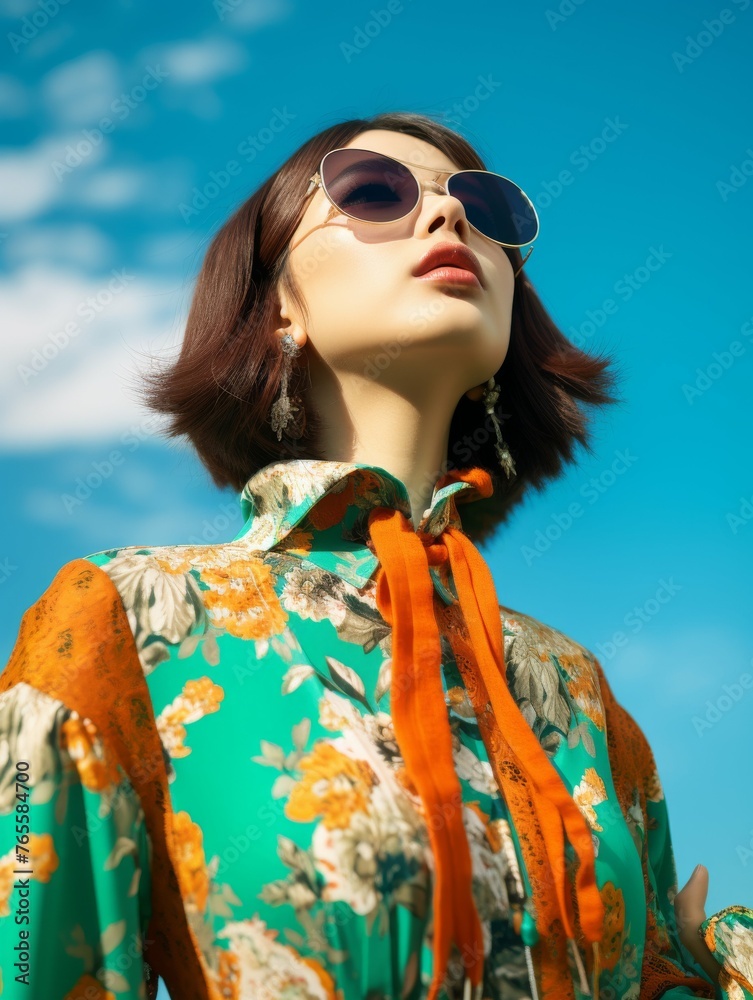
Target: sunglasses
[372, 187]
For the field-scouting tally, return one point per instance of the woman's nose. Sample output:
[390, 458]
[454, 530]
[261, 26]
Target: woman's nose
[440, 210]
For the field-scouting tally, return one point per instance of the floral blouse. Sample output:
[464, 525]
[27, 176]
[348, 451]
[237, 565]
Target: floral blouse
[300, 857]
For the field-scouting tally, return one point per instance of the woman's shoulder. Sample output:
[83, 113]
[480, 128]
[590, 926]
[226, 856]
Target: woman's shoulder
[530, 642]
[185, 596]
[162, 593]
[73, 674]
[175, 558]
[550, 674]
[522, 630]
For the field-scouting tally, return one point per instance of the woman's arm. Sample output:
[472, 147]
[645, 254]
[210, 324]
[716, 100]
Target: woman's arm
[74, 861]
[727, 935]
[75, 856]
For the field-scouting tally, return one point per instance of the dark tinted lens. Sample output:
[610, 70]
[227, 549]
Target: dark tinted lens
[369, 186]
[495, 206]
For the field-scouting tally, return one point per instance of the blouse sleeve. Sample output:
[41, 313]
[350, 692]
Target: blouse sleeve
[75, 852]
[74, 869]
[728, 933]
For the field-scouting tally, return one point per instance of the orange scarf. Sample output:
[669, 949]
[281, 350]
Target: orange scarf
[405, 598]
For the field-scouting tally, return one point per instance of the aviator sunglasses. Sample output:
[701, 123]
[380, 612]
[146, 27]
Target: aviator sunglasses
[372, 187]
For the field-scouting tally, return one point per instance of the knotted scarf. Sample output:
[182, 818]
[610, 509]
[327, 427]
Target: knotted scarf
[405, 598]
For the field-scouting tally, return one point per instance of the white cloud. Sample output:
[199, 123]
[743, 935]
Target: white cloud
[77, 244]
[99, 524]
[50, 39]
[28, 186]
[251, 14]
[113, 188]
[17, 8]
[80, 92]
[85, 388]
[199, 61]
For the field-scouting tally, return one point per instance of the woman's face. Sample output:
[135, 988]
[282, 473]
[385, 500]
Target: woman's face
[367, 312]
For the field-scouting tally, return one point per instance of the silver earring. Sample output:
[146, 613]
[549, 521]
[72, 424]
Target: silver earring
[284, 411]
[523, 262]
[489, 399]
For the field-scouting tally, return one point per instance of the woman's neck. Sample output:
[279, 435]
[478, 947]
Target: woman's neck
[365, 421]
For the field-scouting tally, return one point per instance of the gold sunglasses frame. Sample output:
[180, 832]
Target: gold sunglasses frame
[316, 181]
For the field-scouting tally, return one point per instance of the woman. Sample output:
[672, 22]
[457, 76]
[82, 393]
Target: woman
[321, 760]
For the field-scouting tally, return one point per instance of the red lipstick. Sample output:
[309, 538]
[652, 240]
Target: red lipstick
[450, 263]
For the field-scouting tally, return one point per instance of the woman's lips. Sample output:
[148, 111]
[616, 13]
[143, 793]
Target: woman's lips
[448, 275]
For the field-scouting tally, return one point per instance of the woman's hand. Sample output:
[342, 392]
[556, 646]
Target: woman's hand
[690, 912]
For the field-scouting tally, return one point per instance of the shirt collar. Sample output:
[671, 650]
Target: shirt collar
[318, 510]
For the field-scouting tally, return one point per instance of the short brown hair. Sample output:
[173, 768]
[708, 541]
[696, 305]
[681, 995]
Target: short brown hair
[220, 389]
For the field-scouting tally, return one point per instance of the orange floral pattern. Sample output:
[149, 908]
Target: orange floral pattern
[89, 988]
[42, 861]
[582, 684]
[239, 596]
[333, 786]
[197, 699]
[589, 792]
[614, 924]
[80, 741]
[190, 863]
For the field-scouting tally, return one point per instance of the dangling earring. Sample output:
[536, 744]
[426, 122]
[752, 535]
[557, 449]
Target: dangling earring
[489, 399]
[530, 251]
[284, 410]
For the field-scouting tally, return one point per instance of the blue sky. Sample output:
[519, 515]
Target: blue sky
[630, 129]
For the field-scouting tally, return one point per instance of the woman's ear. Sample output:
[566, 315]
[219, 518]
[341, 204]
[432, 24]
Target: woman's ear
[287, 316]
[476, 393]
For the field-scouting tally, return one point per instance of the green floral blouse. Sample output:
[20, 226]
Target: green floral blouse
[304, 866]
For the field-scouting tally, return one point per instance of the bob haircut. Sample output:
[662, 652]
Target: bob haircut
[220, 389]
